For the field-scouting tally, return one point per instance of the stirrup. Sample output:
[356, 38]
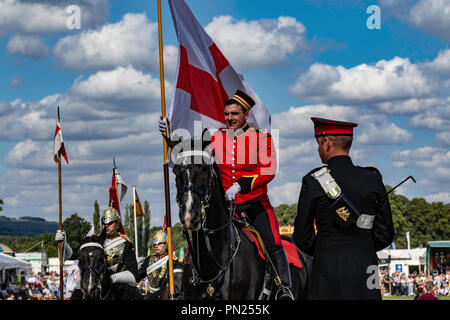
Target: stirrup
[284, 293]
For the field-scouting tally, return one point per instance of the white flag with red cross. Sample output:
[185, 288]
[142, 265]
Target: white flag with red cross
[205, 79]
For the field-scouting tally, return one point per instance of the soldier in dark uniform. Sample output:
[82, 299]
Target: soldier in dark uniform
[155, 267]
[352, 215]
[119, 250]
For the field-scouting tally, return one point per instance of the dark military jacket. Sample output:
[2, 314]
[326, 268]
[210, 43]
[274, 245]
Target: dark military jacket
[345, 257]
[158, 277]
[121, 257]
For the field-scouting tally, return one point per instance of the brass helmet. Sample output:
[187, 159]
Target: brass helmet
[110, 215]
[160, 237]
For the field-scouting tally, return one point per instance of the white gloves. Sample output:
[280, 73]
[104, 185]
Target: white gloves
[230, 194]
[164, 125]
[67, 250]
[60, 236]
[123, 277]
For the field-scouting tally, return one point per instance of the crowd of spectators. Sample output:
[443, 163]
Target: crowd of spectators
[415, 284]
[40, 286]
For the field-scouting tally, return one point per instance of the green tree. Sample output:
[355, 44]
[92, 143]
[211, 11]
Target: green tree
[76, 229]
[286, 214]
[140, 234]
[1, 205]
[49, 243]
[129, 221]
[96, 218]
[146, 236]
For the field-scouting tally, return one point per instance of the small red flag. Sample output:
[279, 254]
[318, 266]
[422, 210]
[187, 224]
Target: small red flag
[59, 144]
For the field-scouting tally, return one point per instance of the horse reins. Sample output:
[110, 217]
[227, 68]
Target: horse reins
[205, 202]
[96, 271]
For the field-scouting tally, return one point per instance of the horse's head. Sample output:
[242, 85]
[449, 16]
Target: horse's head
[194, 173]
[93, 265]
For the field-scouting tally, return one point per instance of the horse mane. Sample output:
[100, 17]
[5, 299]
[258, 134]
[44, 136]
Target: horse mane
[93, 238]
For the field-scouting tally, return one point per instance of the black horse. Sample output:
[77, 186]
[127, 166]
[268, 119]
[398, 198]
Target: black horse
[95, 276]
[223, 261]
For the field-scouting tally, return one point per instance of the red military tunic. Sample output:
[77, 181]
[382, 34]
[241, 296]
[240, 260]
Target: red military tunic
[246, 156]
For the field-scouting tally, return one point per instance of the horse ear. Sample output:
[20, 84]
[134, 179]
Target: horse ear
[206, 138]
[102, 236]
[171, 143]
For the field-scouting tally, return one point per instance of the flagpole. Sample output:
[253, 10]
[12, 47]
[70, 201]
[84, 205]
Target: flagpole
[166, 162]
[135, 225]
[61, 263]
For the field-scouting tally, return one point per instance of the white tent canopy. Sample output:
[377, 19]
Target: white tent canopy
[8, 262]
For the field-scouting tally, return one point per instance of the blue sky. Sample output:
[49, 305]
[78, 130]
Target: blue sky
[393, 81]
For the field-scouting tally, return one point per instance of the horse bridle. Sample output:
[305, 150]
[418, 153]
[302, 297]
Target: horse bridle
[205, 196]
[100, 274]
[205, 202]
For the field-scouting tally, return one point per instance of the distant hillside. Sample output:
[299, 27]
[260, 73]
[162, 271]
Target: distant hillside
[26, 225]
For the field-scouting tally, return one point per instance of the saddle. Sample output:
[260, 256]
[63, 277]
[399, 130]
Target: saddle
[254, 237]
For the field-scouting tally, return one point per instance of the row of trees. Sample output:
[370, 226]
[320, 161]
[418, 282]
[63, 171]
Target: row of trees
[424, 221]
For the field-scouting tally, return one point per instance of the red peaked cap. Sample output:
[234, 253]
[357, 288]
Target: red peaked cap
[324, 127]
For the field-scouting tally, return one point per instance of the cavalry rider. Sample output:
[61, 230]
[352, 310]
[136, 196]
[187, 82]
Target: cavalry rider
[247, 163]
[155, 266]
[119, 250]
[349, 207]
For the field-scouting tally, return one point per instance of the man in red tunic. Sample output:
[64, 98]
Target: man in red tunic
[247, 163]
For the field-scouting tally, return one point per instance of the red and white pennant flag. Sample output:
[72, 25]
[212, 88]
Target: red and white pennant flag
[59, 144]
[205, 79]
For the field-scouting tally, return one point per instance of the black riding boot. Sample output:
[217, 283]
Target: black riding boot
[281, 265]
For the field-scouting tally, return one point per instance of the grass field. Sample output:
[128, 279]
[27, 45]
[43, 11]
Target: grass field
[411, 298]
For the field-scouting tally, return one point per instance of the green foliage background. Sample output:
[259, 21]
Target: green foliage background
[424, 221]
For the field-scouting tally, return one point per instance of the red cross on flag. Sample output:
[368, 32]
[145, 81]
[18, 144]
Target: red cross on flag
[205, 79]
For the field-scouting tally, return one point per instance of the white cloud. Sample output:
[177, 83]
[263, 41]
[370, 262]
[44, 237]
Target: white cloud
[379, 131]
[296, 122]
[40, 16]
[287, 193]
[441, 196]
[28, 46]
[441, 64]
[253, 44]
[373, 128]
[363, 84]
[407, 107]
[120, 84]
[443, 139]
[435, 118]
[131, 41]
[432, 16]
[428, 15]
[425, 157]
[430, 167]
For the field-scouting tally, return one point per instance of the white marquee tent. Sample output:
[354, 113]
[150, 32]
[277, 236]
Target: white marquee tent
[8, 262]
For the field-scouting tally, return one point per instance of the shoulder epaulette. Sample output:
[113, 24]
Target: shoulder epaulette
[124, 237]
[314, 170]
[257, 130]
